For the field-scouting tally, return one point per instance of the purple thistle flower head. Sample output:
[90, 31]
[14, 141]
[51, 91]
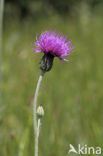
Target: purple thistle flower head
[52, 44]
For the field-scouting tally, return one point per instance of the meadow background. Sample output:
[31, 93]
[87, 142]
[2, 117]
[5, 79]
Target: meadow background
[71, 93]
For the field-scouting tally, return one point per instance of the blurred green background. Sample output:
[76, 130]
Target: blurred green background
[71, 93]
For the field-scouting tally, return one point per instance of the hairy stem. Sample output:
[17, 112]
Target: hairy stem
[38, 130]
[35, 115]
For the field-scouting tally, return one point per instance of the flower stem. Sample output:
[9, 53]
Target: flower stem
[38, 130]
[38, 126]
[35, 115]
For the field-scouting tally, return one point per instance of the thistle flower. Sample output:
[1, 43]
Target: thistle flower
[52, 44]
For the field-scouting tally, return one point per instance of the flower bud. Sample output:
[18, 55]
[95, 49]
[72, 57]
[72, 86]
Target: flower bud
[46, 62]
[40, 111]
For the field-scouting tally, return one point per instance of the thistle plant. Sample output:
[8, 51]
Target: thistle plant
[51, 44]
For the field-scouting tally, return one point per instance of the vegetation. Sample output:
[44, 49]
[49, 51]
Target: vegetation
[71, 93]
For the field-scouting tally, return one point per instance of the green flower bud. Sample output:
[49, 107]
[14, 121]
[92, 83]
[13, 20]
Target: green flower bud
[40, 111]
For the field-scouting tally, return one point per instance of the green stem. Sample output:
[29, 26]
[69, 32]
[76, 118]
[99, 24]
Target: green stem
[35, 114]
